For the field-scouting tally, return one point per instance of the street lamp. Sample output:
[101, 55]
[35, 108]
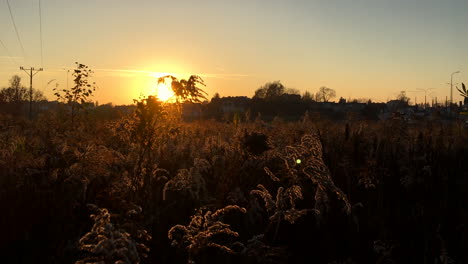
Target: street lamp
[425, 94]
[451, 87]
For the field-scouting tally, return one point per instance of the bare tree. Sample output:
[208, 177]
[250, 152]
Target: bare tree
[402, 97]
[15, 85]
[273, 90]
[325, 94]
[307, 96]
[292, 91]
[17, 93]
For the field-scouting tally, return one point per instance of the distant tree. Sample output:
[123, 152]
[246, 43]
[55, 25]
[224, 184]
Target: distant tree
[325, 94]
[275, 89]
[17, 93]
[361, 100]
[292, 91]
[216, 97]
[9, 95]
[342, 101]
[270, 90]
[260, 93]
[307, 96]
[38, 96]
[402, 97]
[77, 96]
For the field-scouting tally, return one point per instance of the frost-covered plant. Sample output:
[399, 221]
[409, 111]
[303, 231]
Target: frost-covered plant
[284, 206]
[304, 161]
[106, 243]
[309, 153]
[189, 182]
[205, 230]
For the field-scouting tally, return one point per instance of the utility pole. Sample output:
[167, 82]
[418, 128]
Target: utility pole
[425, 95]
[451, 86]
[31, 74]
[451, 91]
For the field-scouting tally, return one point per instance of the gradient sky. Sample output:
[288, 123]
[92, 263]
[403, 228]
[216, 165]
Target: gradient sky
[360, 48]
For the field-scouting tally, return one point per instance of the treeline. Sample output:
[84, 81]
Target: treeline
[15, 98]
[274, 100]
[17, 93]
[288, 107]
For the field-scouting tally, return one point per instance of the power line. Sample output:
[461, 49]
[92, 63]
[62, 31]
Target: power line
[12, 60]
[40, 32]
[40, 36]
[16, 30]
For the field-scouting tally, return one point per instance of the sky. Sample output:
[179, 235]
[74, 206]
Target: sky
[361, 48]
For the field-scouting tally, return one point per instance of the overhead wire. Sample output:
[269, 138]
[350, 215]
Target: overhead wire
[16, 29]
[40, 33]
[11, 59]
[41, 43]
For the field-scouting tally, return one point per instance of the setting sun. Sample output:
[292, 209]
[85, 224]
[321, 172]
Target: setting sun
[164, 92]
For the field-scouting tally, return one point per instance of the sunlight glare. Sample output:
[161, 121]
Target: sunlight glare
[164, 92]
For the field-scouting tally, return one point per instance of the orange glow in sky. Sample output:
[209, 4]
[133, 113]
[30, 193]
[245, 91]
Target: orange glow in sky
[164, 92]
[362, 49]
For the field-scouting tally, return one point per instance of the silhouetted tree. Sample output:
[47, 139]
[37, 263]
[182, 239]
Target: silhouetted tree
[186, 90]
[216, 97]
[361, 100]
[307, 96]
[77, 96]
[291, 91]
[402, 97]
[270, 90]
[325, 94]
[17, 93]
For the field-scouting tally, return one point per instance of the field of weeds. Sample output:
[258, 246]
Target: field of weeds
[145, 188]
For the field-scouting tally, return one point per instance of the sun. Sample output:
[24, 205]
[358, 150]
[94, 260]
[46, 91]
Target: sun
[164, 92]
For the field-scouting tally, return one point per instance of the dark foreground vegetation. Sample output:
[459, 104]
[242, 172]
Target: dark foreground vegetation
[162, 191]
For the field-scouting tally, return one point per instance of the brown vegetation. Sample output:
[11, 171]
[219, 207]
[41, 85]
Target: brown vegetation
[162, 191]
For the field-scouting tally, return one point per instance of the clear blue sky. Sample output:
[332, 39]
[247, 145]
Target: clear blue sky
[361, 48]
